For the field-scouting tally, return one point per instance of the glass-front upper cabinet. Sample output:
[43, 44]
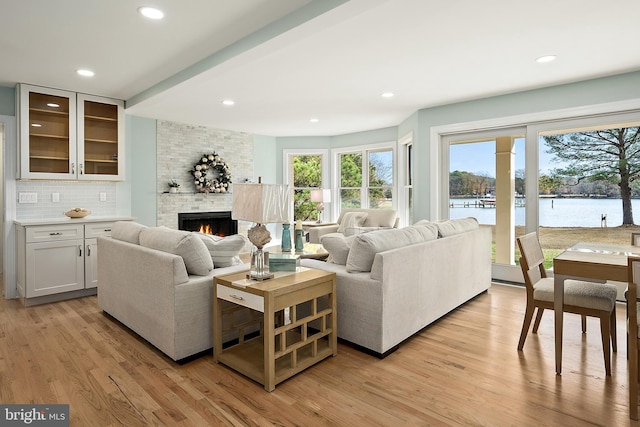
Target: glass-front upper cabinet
[64, 135]
[47, 133]
[100, 136]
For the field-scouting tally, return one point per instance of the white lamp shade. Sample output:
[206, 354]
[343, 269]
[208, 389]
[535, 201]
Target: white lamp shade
[321, 195]
[261, 203]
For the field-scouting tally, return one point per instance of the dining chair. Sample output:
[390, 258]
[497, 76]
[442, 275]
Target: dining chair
[635, 239]
[580, 297]
[632, 334]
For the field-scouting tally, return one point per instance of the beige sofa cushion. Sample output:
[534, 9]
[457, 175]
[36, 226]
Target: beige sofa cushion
[127, 231]
[188, 245]
[365, 246]
[352, 219]
[338, 247]
[224, 250]
[375, 217]
[456, 226]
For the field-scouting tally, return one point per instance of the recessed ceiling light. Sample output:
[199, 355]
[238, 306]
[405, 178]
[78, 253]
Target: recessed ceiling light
[52, 105]
[314, 120]
[151, 12]
[228, 102]
[36, 125]
[85, 73]
[387, 95]
[546, 58]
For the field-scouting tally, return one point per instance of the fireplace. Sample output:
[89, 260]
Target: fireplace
[217, 223]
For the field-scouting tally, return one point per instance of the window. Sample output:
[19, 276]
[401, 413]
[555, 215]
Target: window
[366, 177]
[306, 170]
[405, 174]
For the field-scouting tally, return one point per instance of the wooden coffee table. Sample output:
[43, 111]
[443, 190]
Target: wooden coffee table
[311, 250]
[287, 344]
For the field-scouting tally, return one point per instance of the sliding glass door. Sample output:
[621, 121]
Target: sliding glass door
[487, 181]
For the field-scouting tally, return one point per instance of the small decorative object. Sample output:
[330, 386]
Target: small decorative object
[211, 174]
[286, 238]
[299, 237]
[173, 186]
[284, 262]
[77, 213]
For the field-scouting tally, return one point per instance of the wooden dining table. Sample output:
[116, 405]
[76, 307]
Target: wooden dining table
[597, 262]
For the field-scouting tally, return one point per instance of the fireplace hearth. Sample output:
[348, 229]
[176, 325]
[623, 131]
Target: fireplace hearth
[216, 223]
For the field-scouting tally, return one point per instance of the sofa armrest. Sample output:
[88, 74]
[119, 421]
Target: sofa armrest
[316, 233]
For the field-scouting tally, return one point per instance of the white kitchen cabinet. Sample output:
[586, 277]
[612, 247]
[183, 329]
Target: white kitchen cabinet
[59, 260]
[64, 135]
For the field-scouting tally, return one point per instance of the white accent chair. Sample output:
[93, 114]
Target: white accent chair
[376, 219]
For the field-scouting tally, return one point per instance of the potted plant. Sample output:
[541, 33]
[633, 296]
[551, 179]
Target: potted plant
[173, 186]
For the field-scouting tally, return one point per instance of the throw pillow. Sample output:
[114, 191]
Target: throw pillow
[365, 246]
[193, 251]
[127, 231]
[338, 247]
[352, 219]
[224, 250]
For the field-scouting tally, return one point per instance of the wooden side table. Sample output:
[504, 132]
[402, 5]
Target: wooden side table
[285, 346]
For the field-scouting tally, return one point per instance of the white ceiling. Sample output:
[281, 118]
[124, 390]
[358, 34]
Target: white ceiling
[286, 61]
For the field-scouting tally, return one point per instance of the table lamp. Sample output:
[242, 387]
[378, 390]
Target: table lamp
[320, 196]
[261, 204]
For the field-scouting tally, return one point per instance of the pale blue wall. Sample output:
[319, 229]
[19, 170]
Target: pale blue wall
[7, 101]
[264, 160]
[374, 136]
[141, 170]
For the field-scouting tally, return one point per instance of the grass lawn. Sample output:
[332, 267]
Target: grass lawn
[554, 240]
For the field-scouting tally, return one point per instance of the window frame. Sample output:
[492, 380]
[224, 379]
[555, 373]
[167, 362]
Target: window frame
[364, 150]
[287, 171]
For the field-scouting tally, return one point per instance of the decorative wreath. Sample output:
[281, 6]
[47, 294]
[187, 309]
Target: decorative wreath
[220, 177]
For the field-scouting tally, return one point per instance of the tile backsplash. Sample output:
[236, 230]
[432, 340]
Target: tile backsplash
[71, 194]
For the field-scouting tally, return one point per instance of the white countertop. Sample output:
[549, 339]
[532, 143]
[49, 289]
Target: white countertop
[63, 220]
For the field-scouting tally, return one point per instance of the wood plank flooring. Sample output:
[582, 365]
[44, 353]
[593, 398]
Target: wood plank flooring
[462, 371]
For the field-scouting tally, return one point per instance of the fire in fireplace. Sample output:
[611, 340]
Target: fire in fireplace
[216, 223]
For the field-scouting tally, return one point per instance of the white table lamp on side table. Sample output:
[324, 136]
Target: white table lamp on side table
[320, 196]
[261, 204]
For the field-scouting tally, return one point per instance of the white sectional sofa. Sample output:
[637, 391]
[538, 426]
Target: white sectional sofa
[158, 282]
[392, 283]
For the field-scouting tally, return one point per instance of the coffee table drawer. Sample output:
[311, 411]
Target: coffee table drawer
[245, 299]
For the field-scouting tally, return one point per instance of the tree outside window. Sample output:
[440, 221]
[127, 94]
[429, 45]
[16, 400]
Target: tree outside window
[377, 188]
[307, 175]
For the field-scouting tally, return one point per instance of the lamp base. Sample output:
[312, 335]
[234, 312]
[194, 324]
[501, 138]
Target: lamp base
[259, 269]
[265, 276]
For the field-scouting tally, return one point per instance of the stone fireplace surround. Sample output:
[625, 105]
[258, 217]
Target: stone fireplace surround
[179, 148]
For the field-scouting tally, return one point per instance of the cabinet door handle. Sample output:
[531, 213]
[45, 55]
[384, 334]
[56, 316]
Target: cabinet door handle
[88, 250]
[238, 297]
[79, 250]
[81, 171]
[73, 168]
[108, 230]
[55, 234]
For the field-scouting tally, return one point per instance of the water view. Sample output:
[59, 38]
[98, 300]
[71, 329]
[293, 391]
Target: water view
[556, 212]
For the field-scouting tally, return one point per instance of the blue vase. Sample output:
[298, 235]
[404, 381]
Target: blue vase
[299, 241]
[286, 238]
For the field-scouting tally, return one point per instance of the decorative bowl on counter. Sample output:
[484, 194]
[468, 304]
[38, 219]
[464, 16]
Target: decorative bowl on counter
[77, 213]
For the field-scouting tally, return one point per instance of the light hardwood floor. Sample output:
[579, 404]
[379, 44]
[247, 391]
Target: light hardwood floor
[463, 370]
